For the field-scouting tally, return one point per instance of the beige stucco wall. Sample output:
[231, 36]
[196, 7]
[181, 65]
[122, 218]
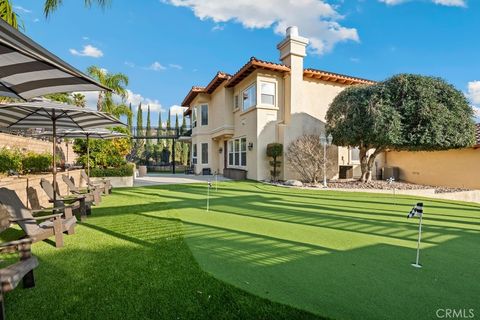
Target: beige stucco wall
[453, 168]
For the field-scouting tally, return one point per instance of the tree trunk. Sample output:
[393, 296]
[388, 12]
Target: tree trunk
[364, 164]
[100, 101]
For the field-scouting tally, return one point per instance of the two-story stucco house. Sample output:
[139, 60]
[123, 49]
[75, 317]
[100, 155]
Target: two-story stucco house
[235, 116]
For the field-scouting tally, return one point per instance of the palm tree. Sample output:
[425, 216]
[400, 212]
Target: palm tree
[9, 15]
[78, 99]
[115, 81]
[52, 5]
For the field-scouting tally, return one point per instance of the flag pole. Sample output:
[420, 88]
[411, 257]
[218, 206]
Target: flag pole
[416, 264]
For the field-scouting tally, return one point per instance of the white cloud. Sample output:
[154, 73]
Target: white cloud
[316, 19]
[476, 111]
[176, 109]
[473, 92]
[448, 3]
[175, 66]
[88, 51]
[135, 99]
[218, 27]
[85, 38]
[36, 20]
[129, 64]
[22, 9]
[156, 66]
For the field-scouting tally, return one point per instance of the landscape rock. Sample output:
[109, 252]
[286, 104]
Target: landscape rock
[294, 183]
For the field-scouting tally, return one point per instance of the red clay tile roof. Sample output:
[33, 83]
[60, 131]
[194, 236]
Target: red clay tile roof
[212, 85]
[254, 64]
[477, 135]
[334, 77]
[251, 66]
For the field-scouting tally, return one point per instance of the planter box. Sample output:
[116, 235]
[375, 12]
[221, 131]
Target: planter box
[117, 182]
[235, 174]
[142, 171]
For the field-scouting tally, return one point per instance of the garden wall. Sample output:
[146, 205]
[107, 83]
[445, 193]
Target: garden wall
[35, 145]
[452, 168]
[117, 182]
[20, 185]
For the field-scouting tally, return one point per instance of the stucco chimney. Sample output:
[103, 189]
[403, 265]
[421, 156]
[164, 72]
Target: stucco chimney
[292, 51]
[293, 47]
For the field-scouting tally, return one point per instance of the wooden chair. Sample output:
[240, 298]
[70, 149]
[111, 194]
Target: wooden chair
[79, 203]
[92, 195]
[104, 186]
[54, 224]
[11, 275]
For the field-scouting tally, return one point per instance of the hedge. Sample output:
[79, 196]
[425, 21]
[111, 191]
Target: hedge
[12, 160]
[122, 171]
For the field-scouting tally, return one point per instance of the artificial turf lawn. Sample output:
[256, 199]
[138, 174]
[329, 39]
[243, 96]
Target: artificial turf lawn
[339, 255]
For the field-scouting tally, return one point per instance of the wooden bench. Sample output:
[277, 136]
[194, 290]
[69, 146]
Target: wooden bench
[21, 271]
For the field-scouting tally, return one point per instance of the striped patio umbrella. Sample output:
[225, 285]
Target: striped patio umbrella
[96, 133]
[28, 70]
[52, 116]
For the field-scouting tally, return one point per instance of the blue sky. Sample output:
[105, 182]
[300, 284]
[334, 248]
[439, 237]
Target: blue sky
[166, 46]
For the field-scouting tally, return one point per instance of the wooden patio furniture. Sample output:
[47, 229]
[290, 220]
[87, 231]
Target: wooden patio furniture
[78, 202]
[90, 194]
[52, 225]
[104, 186]
[20, 271]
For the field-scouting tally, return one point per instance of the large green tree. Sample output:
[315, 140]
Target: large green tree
[148, 131]
[169, 142]
[130, 119]
[139, 143]
[405, 112]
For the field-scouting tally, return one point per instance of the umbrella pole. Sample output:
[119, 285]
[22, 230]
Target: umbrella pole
[88, 159]
[54, 167]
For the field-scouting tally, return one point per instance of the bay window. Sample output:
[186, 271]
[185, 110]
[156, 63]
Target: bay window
[249, 97]
[267, 91]
[204, 112]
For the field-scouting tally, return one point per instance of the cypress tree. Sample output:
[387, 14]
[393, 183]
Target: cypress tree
[149, 128]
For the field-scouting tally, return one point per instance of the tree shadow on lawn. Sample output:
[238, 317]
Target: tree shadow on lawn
[113, 274]
[271, 208]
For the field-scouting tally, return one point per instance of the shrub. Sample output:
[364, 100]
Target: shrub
[10, 160]
[274, 150]
[33, 162]
[125, 170]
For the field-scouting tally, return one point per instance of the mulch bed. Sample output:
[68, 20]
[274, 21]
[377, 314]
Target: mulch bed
[384, 185]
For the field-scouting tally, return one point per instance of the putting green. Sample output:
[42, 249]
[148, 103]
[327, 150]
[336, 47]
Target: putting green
[340, 255]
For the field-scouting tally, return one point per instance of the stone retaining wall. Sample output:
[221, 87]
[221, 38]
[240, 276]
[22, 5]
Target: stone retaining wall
[20, 185]
[36, 145]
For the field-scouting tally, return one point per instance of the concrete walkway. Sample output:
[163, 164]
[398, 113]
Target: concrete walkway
[157, 179]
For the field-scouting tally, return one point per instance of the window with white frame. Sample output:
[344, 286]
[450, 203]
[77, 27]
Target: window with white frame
[204, 112]
[249, 97]
[204, 153]
[194, 153]
[235, 102]
[354, 154]
[194, 117]
[237, 152]
[267, 91]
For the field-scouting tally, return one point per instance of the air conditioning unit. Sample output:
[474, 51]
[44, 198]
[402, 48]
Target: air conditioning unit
[390, 172]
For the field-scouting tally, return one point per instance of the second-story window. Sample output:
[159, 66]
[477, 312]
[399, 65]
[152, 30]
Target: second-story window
[236, 103]
[249, 97]
[194, 117]
[267, 93]
[204, 111]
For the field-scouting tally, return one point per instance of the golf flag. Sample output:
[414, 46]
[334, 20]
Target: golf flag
[416, 211]
[209, 184]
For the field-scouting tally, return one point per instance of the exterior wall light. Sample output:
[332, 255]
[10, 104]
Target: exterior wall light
[250, 146]
[220, 150]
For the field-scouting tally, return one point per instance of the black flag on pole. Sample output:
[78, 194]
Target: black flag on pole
[416, 211]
